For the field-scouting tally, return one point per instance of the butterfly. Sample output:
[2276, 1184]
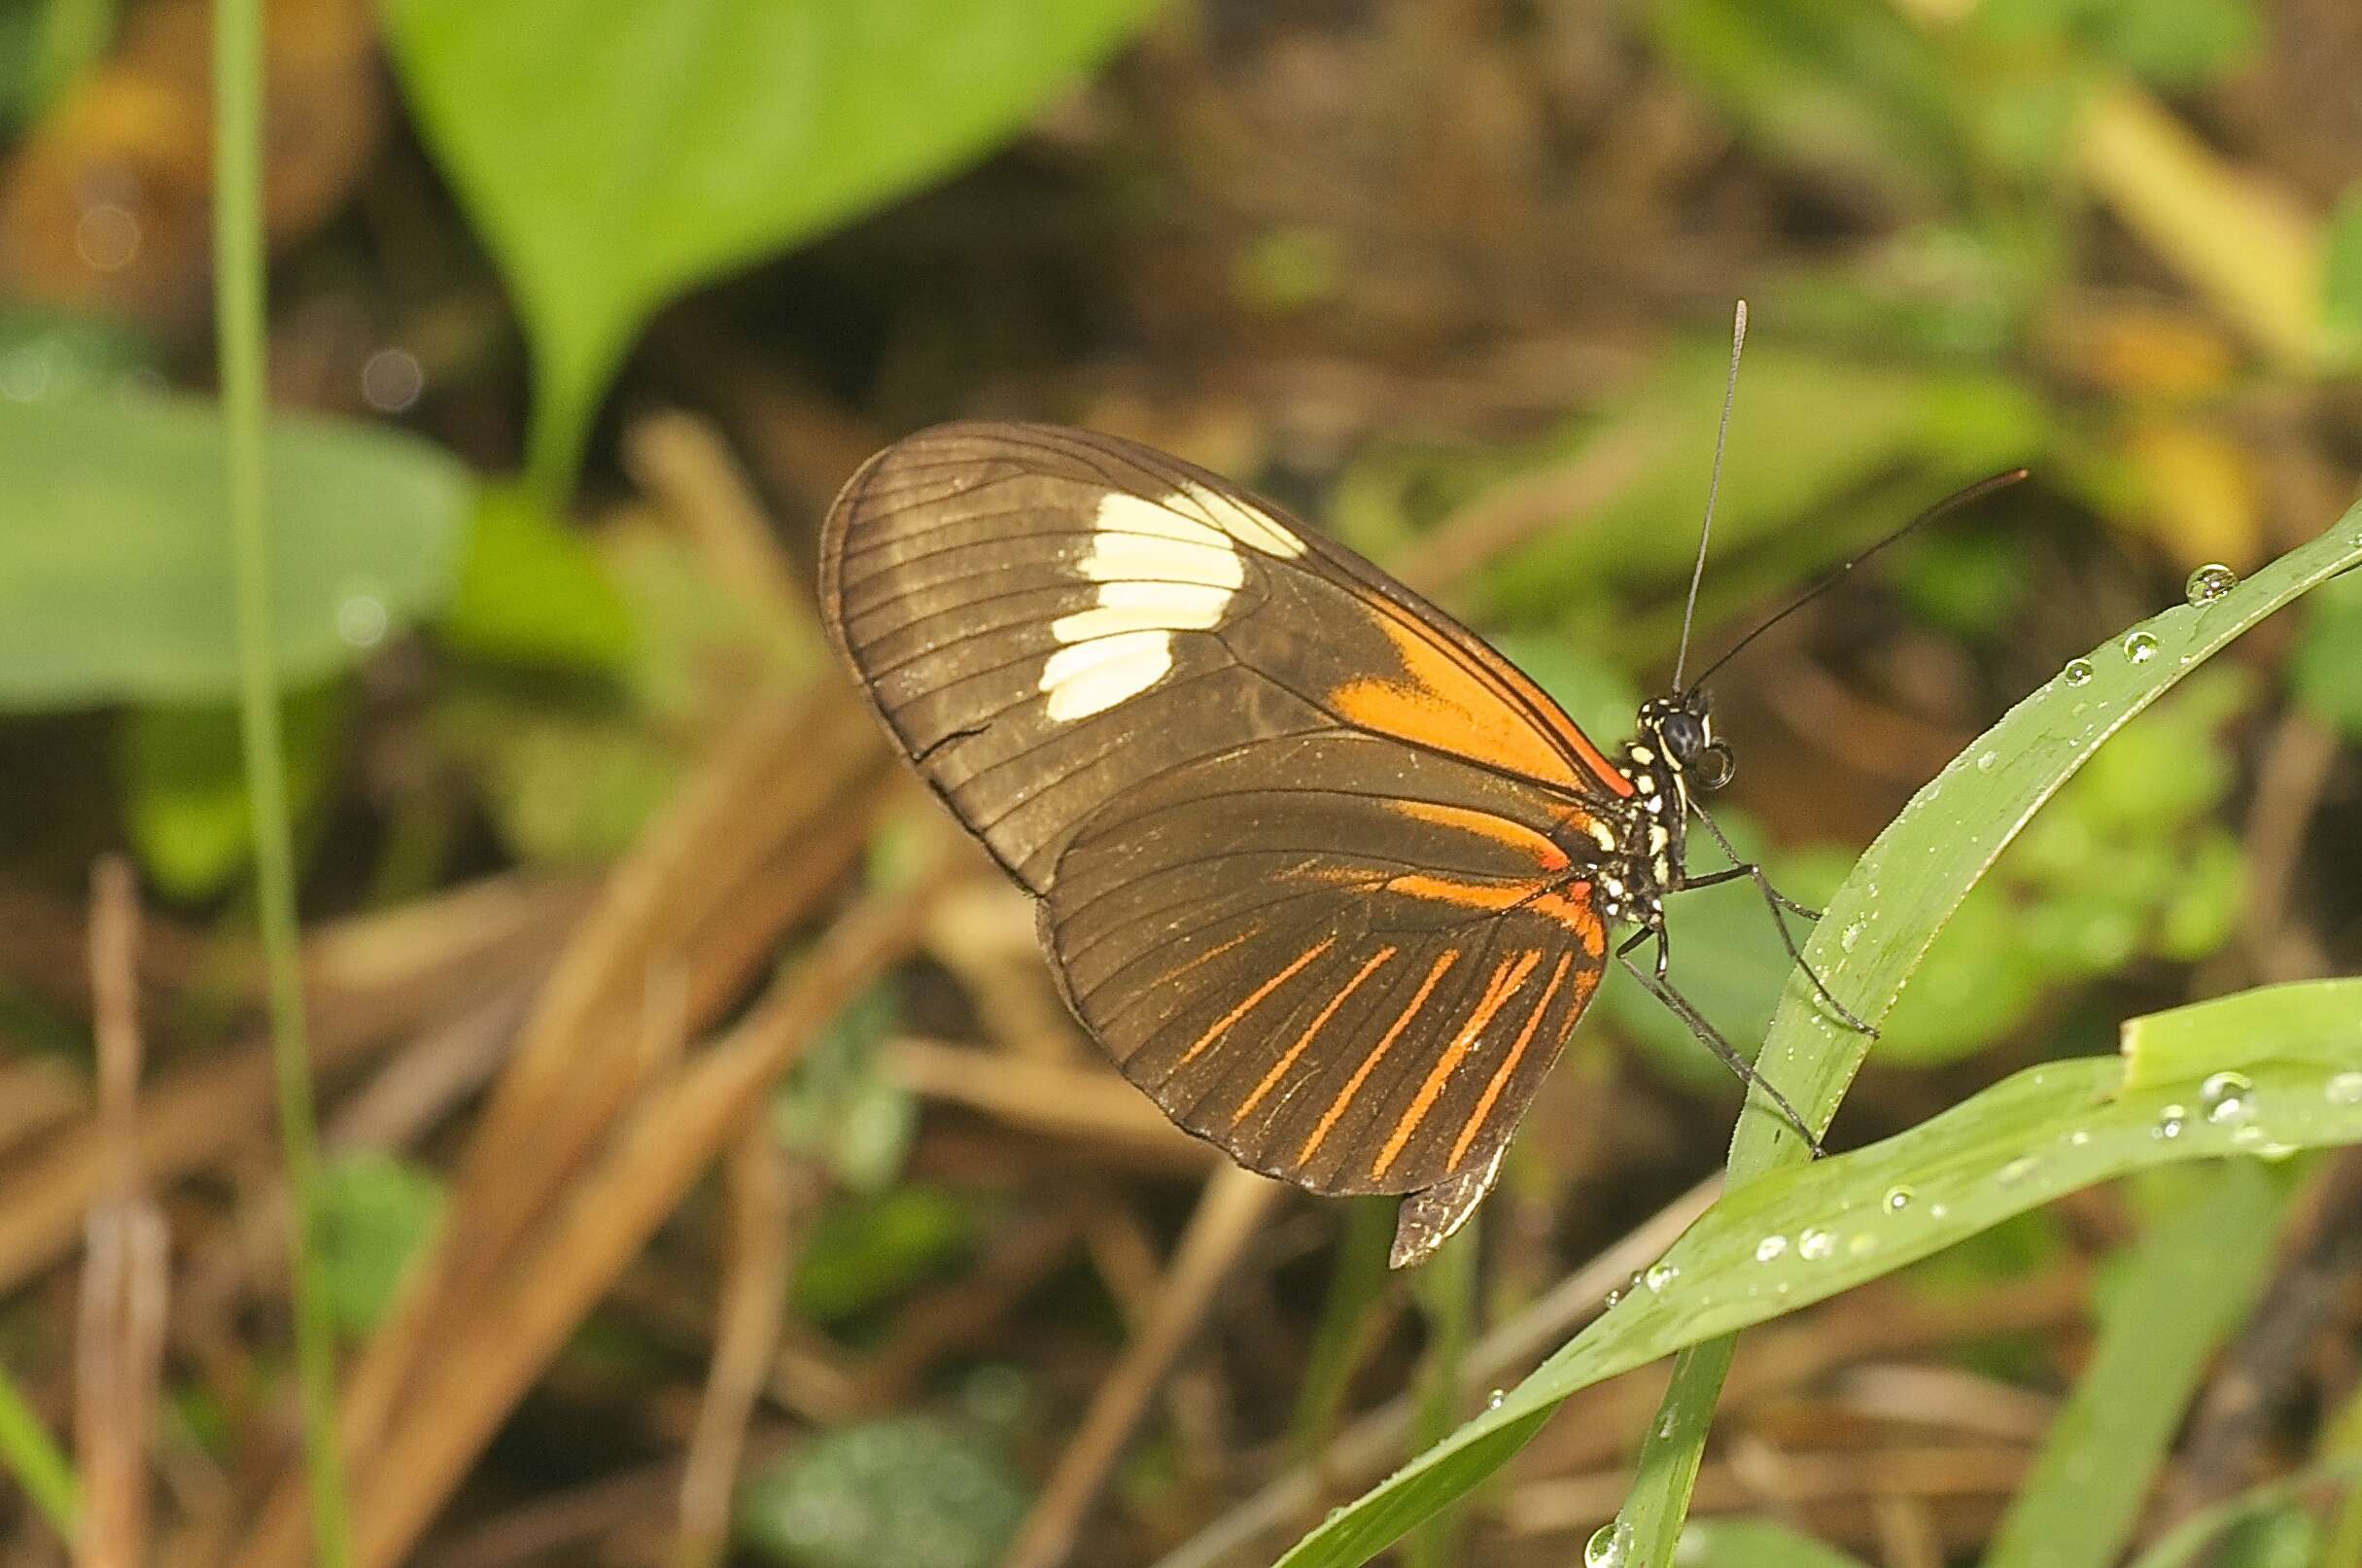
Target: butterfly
[1327, 876]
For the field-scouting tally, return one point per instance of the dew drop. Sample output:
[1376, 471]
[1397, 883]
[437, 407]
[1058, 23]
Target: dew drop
[1659, 1276]
[2208, 583]
[1493, 1400]
[1983, 762]
[2345, 1089]
[1899, 1198]
[2080, 1136]
[1770, 1247]
[2225, 1097]
[1816, 1244]
[2078, 672]
[1936, 1212]
[2139, 646]
[1609, 1545]
[2170, 1120]
[2017, 1170]
[1850, 934]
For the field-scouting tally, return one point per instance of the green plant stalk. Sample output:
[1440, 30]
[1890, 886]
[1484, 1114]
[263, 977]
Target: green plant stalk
[239, 326]
[39, 1465]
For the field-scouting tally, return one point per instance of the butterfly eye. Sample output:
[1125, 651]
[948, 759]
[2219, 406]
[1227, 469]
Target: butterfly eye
[1714, 766]
[1684, 736]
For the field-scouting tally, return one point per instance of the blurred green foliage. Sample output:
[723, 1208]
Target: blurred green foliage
[912, 1491]
[841, 1107]
[184, 785]
[119, 589]
[374, 1213]
[708, 133]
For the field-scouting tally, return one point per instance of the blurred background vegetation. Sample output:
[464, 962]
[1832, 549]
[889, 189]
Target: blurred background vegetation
[579, 313]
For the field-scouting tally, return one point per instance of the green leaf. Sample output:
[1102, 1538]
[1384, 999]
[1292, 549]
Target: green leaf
[615, 153]
[2187, 1283]
[184, 785]
[1899, 894]
[114, 569]
[908, 1490]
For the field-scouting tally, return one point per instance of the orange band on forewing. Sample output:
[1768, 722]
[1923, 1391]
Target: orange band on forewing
[1486, 824]
[1498, 990]
[1454, 703]
[1279, 1070]
[1353, 1085]
[1509, 1065]
[1222, 1024]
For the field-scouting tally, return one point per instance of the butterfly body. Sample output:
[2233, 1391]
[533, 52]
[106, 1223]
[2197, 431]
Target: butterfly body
[1326, 876]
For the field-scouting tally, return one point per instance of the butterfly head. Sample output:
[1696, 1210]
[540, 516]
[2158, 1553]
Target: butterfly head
[1677, 729]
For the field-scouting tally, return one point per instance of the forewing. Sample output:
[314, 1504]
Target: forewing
[1049, 619]
[1345, 961]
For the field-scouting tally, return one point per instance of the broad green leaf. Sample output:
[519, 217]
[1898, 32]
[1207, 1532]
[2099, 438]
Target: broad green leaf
[615, 153]
[115, 571]
[2187, 1283]
[1897, 897]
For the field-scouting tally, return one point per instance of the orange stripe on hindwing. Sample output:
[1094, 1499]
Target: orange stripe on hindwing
[1222, 1024]
[1353, 1085]
[1498, 990]
[1279, 1070]
[1509, 1065]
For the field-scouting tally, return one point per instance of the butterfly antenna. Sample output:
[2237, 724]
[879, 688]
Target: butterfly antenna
[1951, 502]
[1713, 487]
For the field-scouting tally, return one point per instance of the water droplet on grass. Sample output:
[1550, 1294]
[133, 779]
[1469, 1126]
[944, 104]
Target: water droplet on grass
[2208, 583]
[1609, 1545]
[2078, 672]
[1770, 1247]
[2170, 1120]
[2345, 1089]
[2225, 1097]
[2139, 646]
[1659, 1276]
[1816, 1244]
[1898, 1198]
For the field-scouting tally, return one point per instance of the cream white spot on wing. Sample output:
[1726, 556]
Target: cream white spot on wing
[1140, 540]
[1090, 677]
[1604, 836]
[1145, 606]
[1238, 520]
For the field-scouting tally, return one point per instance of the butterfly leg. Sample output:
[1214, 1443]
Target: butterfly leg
[1777, 902]
[1679, 1007]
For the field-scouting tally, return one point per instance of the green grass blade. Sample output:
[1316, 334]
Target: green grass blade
[2190, 1280]
[34, 1459]
[1876, 931]
[239, 323]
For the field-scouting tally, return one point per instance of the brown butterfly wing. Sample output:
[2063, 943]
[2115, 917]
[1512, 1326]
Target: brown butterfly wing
[1311, 853]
